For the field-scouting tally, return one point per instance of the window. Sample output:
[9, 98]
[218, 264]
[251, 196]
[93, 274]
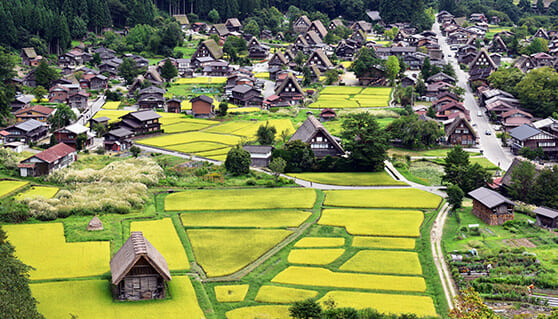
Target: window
[547, 144]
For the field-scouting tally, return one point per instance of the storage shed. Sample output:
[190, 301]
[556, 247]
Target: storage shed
[491, 207]
[139, 271]
[547, 217]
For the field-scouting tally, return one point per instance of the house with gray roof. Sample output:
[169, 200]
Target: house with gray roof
[546, 217]
[321, 141]
[531, 137]
[141, 122]
[492, 207]
[26, 132]
[260, 155]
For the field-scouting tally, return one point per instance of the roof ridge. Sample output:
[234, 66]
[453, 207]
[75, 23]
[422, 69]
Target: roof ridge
[139, 243]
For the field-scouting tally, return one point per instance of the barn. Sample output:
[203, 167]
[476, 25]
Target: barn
[491, 207]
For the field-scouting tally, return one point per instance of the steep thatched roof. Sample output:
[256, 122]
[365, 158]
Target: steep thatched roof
[213, 48]
[310, 128]
[290, 79]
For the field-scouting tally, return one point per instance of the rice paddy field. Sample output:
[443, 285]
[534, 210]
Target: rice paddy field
[315, 256]
[231, 199]
[382, 198]
[266, 219]
[396, 223]
[384, 242]
[91, 299]
[310, 242]
[259, 312]
[7, 186]
[51, 254]
[162, 235]
[350, 179]
[202, 80]
[340, 97]
[384, 262]
[111, 105]
[231, 293]
[225, 251]
[37, 191]
[278, 294]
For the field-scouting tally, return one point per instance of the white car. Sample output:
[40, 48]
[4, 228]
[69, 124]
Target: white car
[488, 132]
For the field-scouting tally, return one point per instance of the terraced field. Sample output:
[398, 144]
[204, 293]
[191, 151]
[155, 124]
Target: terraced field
[350, 179]
[314, 256]
[231, 293]
[382, 198]
[38, 191]
[352, 97]
[7, 186]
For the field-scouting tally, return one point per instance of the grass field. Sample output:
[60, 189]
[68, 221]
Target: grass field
[314, 256]
[382, 198]
[162, 234]
[439, 152]
[111, 105]
[386, 303]
[277, 294]
[384, 242]
[7, 187]
[351, 90]
[225, 251]
[240, 199]
[313, 276]
[260, 312]
[384, 262]
[92, 299]
[265, 219]
[350, 179]
[231, 293]
[309, 242]
[36, 191]
[51, 254]
[402, 223]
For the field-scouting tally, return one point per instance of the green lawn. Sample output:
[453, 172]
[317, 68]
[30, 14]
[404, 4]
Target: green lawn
[350, 179]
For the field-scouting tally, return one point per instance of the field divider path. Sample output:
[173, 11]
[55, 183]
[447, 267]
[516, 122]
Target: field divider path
[438, 255]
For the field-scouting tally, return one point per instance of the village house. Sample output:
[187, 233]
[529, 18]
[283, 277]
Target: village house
[258, 52]
[29, 57]
[207, 51]
[441, 77]
[141, 122]
[219, 29]
[321, 141]
[302, 24]
[319, 58]
[35, 112]
[199, 27]
[312, 39]
[524, 63]
[407, 81]
[542, 59]
[21, 102]
[151, 97]
[182, 20]
[375, 76]
[110, 68]
[362, 25]
[56, 157]
[118, 140]
[548, 124]
[451, 110]
[216, 68]
[318, 27]
[69, 135]
[233, 25]
[278, 59]
[327, 115]
[534, 138]
[514, 118]
[78, 100]
[546, 217]
[460, 132]
[173, 106]
[290, 90]
[246, 95]
[491, 207]
[202, 107]
[26, 132]
[541, 33]
[99, 121]
[333, 24]
[434, 89]
[74, 57]
[359, 38]
[497, 45]
[139, 271]
[260, 155]
[346, 50]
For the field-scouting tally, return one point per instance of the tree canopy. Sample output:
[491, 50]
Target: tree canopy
[414, 132]
[459, 171]
[538, 91]
[238, 161]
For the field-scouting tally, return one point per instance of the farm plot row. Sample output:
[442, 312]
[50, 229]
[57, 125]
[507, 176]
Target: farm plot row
[352, 97]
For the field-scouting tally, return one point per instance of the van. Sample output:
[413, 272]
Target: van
[479, 114]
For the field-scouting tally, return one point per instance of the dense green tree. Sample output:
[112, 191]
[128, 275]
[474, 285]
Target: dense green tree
[536, 46]
[39, 92]
[16, 300]
[522, 181]
[392, 68]
[459, 171]
[455, 196]
[277, 166]
[7, 92]
[365, 61]
[538, 91]
[63, 116]
[213, 15]
[223, 108]
[305, 309]
[79, 28]
[135, 150]
[365, 142]
[168, 70]
[266, 134]
[252, 28]
[414, 132]
[45, 74]
[298, 155]
[545, 191]
[505, 79]
[331, 77]
[128, 69]
[238, 161]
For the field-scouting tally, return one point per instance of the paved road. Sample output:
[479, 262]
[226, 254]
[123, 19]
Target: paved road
[490, 144]
[91, 110]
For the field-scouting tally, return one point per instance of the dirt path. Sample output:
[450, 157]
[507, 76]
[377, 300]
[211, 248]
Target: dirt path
[438, 255]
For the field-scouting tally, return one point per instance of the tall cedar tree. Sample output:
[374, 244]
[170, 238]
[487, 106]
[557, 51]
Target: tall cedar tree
[128, 70]
[365, 142]
[7, 92]
[45, 74]
[168, 70]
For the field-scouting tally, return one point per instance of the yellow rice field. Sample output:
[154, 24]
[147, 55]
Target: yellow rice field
[259, 312]
[384, 262]
[225, 251]
[111, 105]
[278, 294]
[309, 242]
[38, 191]
[162, 235]
[384, 242]
[382, 198]
[314, 256]
[264, 219]
[189, 137]
[386, 303]
[313, 276]
[231, 293]
[368, 222]
[7, 186]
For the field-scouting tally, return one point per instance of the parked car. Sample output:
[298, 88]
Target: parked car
[488, 132]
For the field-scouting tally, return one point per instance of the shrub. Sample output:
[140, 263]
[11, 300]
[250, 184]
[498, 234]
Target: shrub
[13, 211]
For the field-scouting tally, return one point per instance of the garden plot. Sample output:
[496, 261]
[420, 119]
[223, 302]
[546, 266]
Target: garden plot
[239, 199]
[263, 219]
[260, 312]
[314, 256]
[377, 91]
[241, 110]
[384, 262]
[386, 303]
[190, 137]
[350, 179]
[229, 127]
[92, 299]
[50, 255]
[382, 198]
[38, 191]
[222, 252]
[398, 223]
[277, 294]
[7, 187]
[313, 276]
[231, 293]
[279, 124]
[162, 235]
[310, 242]
[384, 242]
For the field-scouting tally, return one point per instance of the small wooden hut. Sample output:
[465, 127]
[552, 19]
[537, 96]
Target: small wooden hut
[95, 224]
[139, 271]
